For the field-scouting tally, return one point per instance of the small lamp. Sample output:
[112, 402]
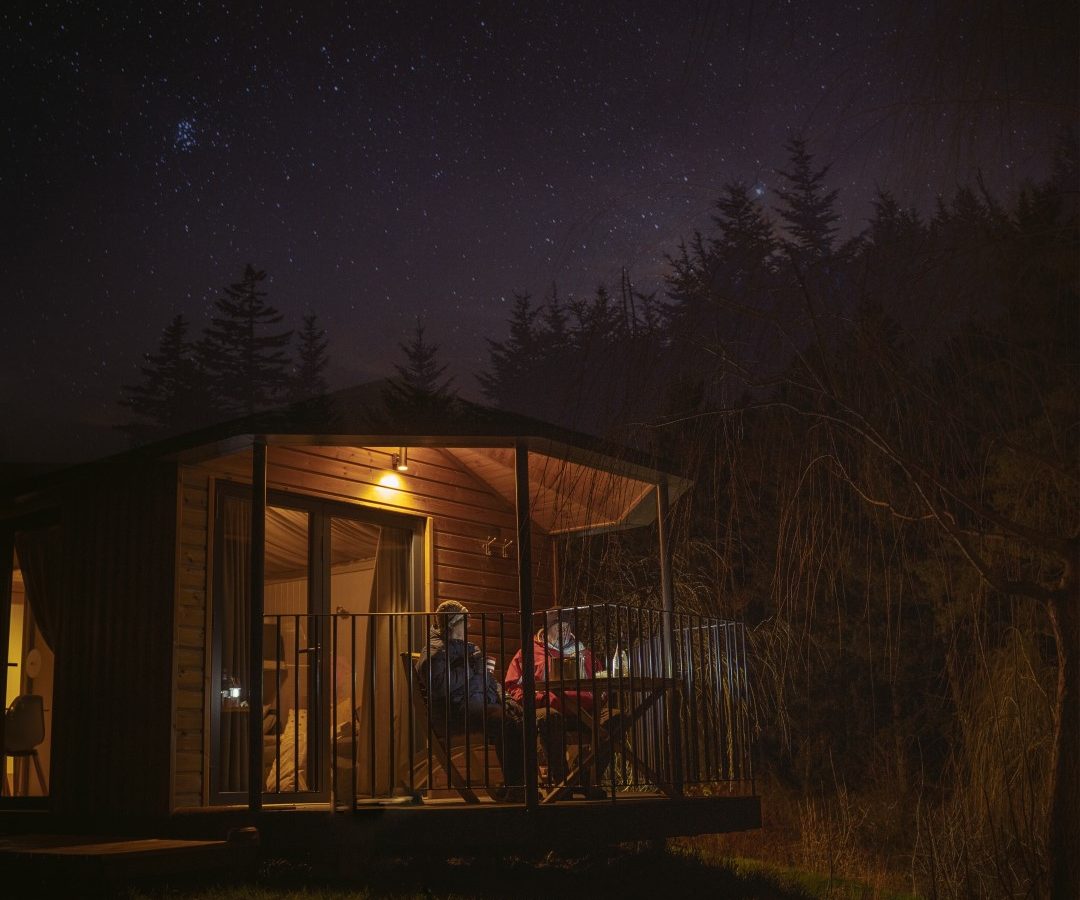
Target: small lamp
[400, 460]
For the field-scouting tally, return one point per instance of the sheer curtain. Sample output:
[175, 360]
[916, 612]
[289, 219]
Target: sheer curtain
[39, 553]
[386, 720]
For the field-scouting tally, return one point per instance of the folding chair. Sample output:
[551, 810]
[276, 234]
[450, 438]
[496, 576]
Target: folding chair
[590, 736]
[440, 752]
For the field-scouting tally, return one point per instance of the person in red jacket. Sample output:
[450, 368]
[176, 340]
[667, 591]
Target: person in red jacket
[558, 655]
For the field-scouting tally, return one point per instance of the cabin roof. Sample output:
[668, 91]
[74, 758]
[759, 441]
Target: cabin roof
[578, 482]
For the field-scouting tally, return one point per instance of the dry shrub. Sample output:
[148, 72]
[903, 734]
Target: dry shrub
[986, 839]
[829, 835]
[841, 837]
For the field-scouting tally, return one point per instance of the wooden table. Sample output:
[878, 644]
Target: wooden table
[633, 697]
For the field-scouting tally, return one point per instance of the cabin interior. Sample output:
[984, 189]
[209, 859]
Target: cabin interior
[30, 664]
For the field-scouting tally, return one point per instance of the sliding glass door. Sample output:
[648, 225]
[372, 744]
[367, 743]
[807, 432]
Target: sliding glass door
[329, 567]
[371, 570]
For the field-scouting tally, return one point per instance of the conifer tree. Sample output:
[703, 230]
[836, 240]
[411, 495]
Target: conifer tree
[746, 242]
[172, 393]
[308, 376]
[808, 209]
[420, 385]
[244, 358]
[513, 361]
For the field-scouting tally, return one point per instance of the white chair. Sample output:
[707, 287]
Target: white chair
[24, 729]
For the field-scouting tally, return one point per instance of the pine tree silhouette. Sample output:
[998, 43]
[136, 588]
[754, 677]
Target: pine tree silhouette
[746, 241]
[808, 208]
[308, 379]
[172, 394]
[246, 362]
[420, 385]
[513, 362]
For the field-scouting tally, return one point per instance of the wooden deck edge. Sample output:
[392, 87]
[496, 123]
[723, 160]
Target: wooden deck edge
[469, 828]
[431, 827]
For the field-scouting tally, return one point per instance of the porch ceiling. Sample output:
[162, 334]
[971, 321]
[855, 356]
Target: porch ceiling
[565, 496]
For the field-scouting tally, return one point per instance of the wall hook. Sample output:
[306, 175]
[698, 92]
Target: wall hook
[505, 548]
[486, 545]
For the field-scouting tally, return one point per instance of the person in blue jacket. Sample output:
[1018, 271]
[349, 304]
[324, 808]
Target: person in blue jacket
[463, 697]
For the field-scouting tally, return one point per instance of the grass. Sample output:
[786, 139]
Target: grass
[630, 871]
[816, 884]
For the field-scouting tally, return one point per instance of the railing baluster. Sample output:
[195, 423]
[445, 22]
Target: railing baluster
[372, 695]
[548, 728]
[688, 678]
[736, 701]
[355, 746]
[501, 662]
[714, 700]
[746, 711]
[296, 704]
[654, 732]
[706, 700]
[597, 709]
[468, 724]
[636, 659]
[391, 627]
[333, 706]
[431, 711]
[728, 710]
[409, 677]
[279, 649]
[484, 681]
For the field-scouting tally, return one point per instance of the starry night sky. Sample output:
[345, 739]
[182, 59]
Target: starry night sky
[383, 161]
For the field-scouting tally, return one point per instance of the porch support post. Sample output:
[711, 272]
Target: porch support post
[667, 591]
[7, 564]
[525, 599]
[672, 664]
[258, 579]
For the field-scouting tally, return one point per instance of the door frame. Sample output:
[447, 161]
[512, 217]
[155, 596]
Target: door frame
[320, 511]
[44, 518]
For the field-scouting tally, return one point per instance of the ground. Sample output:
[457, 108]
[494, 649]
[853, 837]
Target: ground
[629, 871]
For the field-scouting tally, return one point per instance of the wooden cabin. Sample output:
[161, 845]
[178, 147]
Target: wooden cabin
[290, 564]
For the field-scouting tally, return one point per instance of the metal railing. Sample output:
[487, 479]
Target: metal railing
[364, 707]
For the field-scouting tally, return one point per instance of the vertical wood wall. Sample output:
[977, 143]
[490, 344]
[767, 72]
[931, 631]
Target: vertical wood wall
[191, 644]
[114, 671]
[463, 513]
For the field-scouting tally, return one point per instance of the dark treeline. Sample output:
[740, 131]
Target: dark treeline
[238, 365]
[883, 437]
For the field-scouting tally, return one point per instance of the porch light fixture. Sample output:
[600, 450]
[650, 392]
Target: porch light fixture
[400, 460]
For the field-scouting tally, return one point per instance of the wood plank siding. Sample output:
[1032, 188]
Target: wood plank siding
[111, 749]
[190, 644]
[463, 512]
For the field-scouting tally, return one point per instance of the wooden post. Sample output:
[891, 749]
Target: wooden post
[672, 667]
[667, 591]
[525, 598]
[255, 610]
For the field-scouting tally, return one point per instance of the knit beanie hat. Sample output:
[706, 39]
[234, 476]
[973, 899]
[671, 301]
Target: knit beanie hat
[448, 614]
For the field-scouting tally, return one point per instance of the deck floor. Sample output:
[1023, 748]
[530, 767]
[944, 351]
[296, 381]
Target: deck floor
[441, 825]
[96, 863]
[191, 838]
